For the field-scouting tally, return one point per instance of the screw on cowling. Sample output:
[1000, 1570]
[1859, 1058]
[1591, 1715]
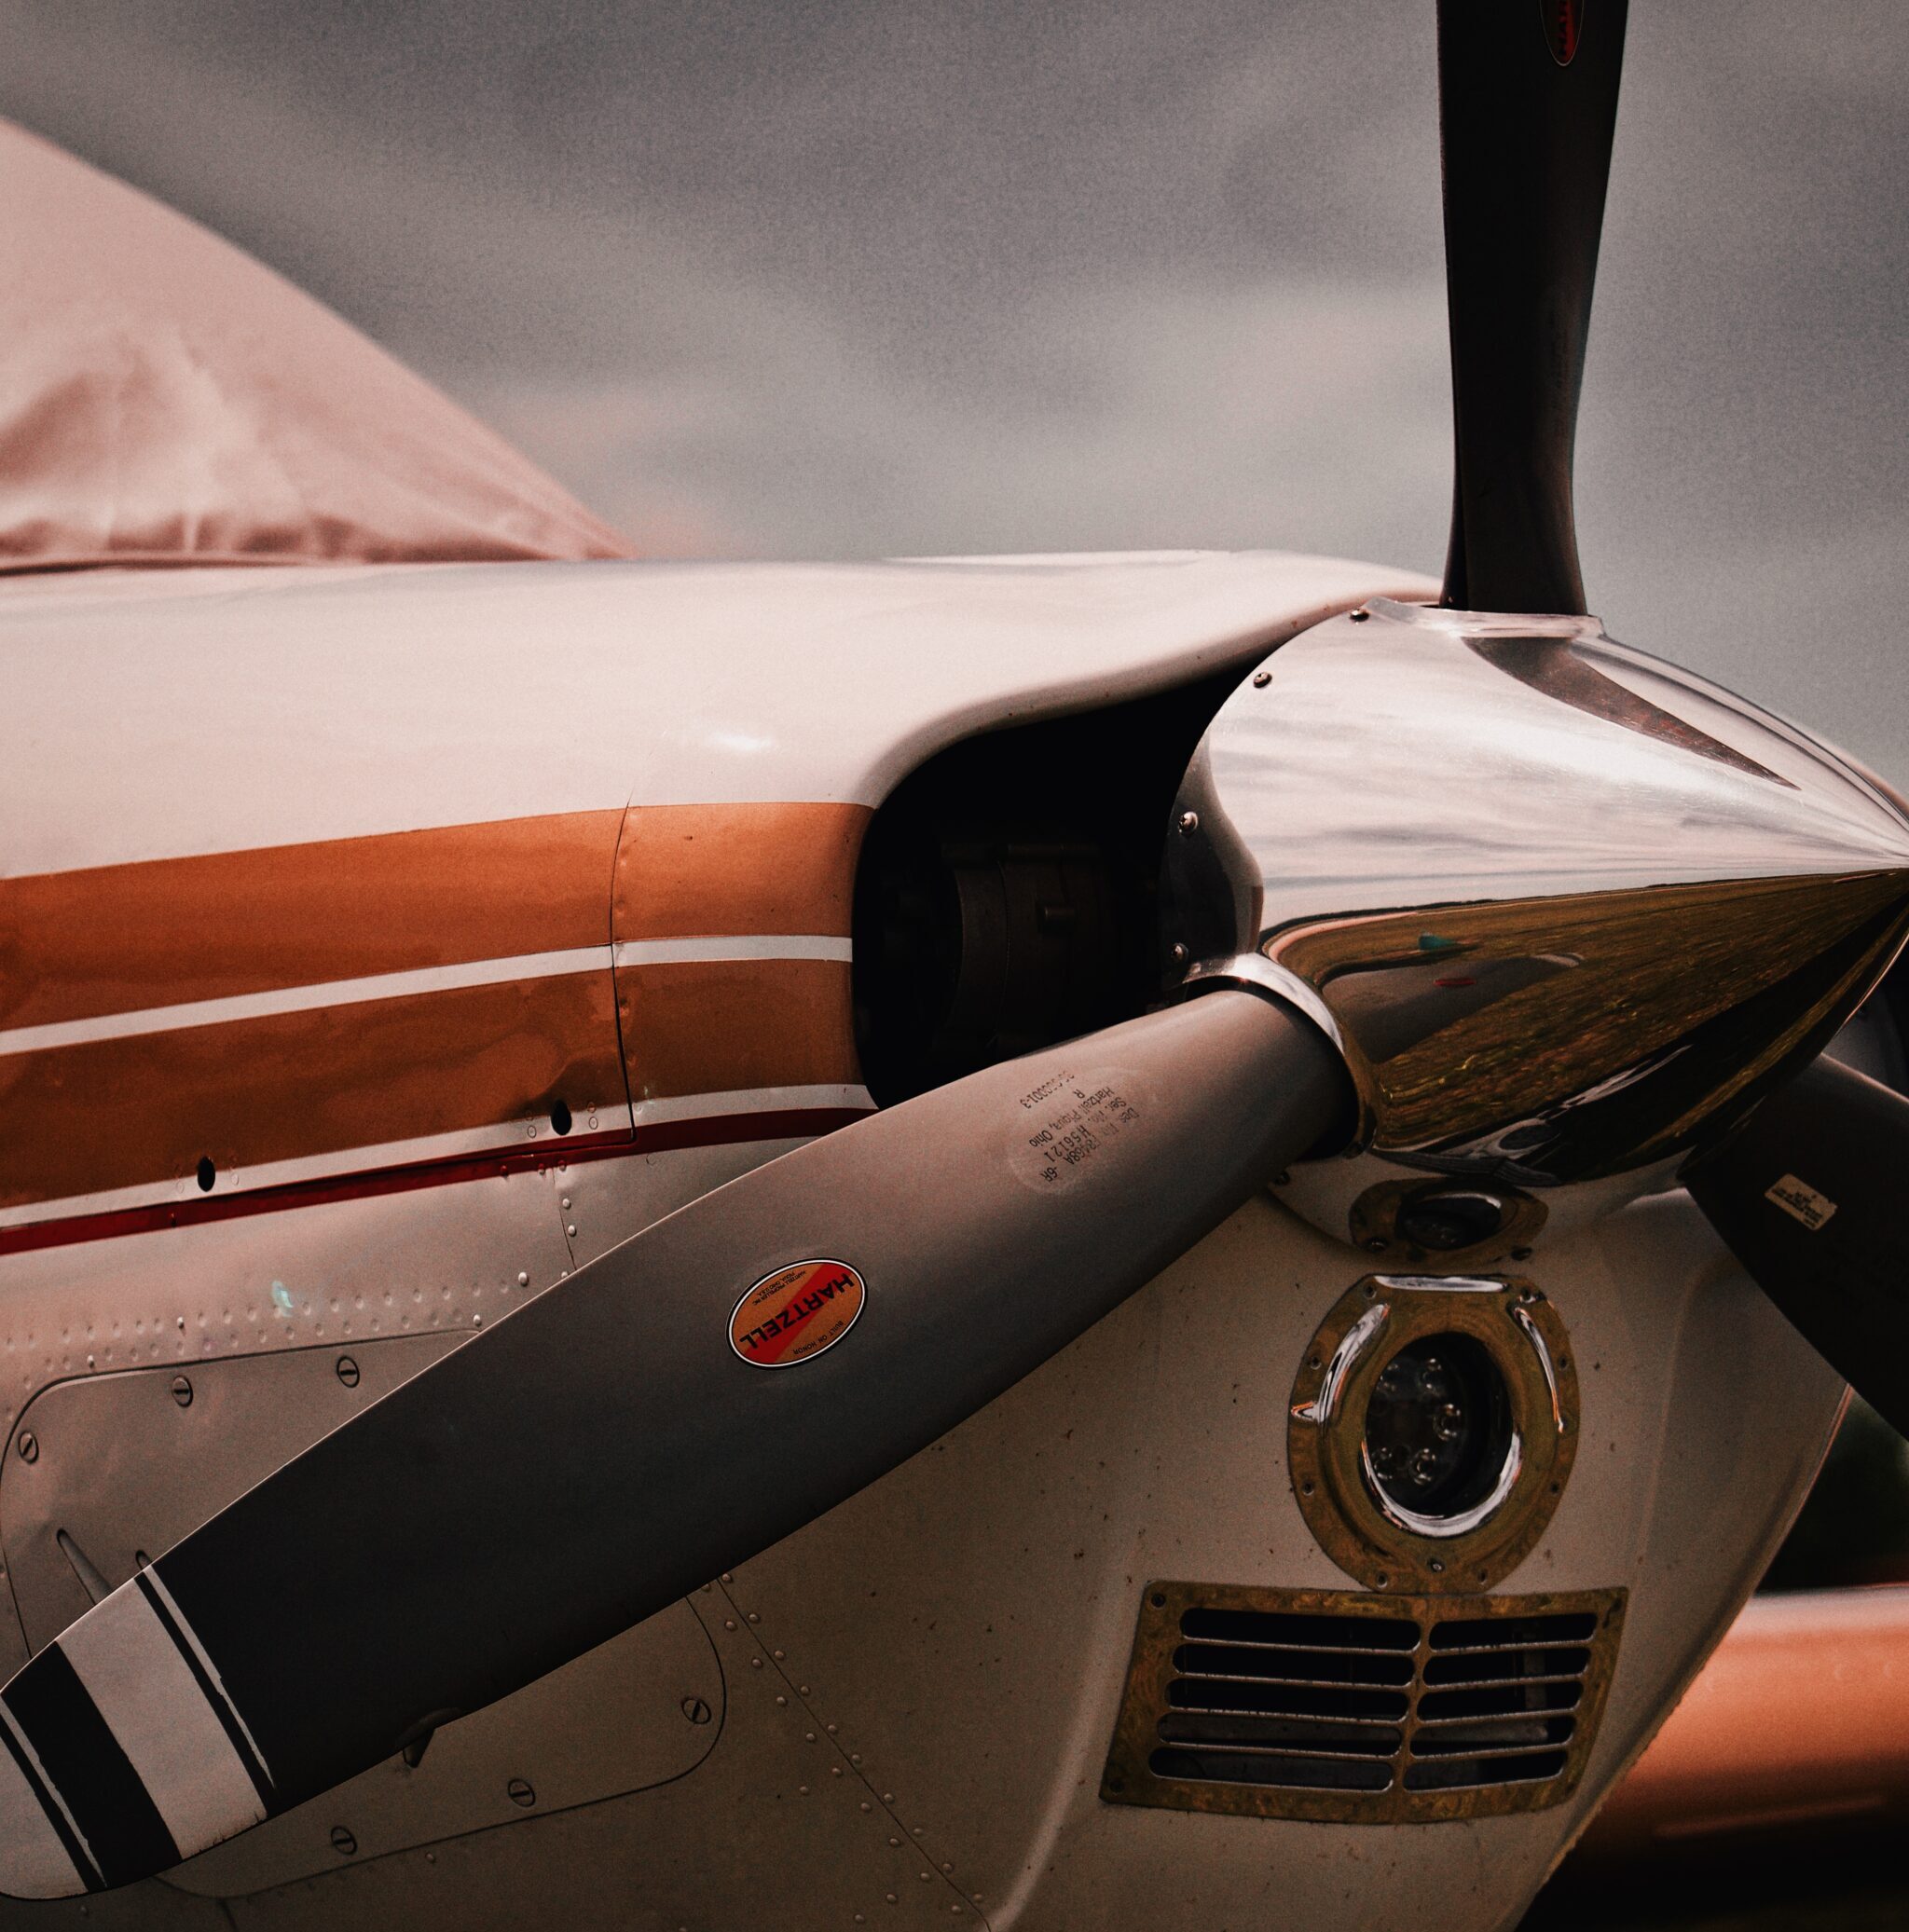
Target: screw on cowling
[696, 1710]
[520, 1793]
[29, 1447]
[348, 1372]
[342, 1841]
[182, 1392]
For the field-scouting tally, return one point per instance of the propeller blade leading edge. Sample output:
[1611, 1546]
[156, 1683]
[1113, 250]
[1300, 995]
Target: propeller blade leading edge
[664, 1414]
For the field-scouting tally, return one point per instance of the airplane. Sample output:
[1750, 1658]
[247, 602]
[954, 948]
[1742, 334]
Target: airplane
[1147, 1240]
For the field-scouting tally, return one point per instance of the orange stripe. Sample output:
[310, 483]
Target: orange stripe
[94, 1117]
[733, 869]
[115, 938]
[720, 872]
[123, 1113]
[719, 1026]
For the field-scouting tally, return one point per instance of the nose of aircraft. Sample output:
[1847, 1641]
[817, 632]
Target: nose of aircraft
[1567, 910]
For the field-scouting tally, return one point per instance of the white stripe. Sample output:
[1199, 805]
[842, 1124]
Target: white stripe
[692, 951]
[29, 1867]
[153, 1705]
[206, 1664]
[532, 1135]
[304, 1000]
[751, 1100]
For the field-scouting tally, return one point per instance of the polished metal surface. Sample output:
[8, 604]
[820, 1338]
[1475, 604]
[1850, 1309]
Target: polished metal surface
[1565, 909]
[1365, 1530]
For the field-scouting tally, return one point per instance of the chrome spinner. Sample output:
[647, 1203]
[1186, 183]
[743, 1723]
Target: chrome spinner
[1567, 910]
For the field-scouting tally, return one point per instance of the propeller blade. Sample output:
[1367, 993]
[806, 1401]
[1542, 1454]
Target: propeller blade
[664, 1413]
[1809, 1197]
[1527, 103]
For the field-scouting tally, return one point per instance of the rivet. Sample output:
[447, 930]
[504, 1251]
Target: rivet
[570, 1227]
[808, 1737]
[29, 1447]
[348, 1372]
[891, 1898]
[801, 1689]
[1178, 953]
[893, 1839]
[1437, 1568]
[182, 1392]
[1361, 616]
[783, 1702]
[523, 1279]
[887, 1798]
[695, 1710]
[754, 1618]
[1261, 679]
[565, 1200]
[755, 1663]
[802, 1791]
[519, 1792]
[728, 1622]
[779, 1654]
[947, 1865]
[831, 1730]
[1190, 824]
[342, 1841]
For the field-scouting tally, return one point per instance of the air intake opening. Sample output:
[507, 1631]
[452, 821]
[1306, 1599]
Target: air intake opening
[1324, 1705]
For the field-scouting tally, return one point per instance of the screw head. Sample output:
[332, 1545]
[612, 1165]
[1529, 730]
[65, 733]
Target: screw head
[342, 1841]
[1190, 824]
[182, 1392]
[1178, 953]
[29, 1447]
[696, 1710]
[348, 1372]
[519, 1792]
[1261, 679]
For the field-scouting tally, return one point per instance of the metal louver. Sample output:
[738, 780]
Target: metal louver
[1333, 1705]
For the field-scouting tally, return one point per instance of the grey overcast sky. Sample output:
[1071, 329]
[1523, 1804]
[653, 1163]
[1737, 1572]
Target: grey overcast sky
[766, 279]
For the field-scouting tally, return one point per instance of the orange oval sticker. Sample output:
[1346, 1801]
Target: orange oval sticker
[795, 1313]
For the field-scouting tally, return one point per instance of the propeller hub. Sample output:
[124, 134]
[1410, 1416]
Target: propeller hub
[1567, 911]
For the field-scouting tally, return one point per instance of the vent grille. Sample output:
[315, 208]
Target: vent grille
[1328, 1704]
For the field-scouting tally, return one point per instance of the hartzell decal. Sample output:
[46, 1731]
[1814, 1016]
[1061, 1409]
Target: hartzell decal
[792, 1315]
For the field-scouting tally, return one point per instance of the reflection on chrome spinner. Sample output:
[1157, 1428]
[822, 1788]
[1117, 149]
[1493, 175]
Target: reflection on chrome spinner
[1575, 910]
